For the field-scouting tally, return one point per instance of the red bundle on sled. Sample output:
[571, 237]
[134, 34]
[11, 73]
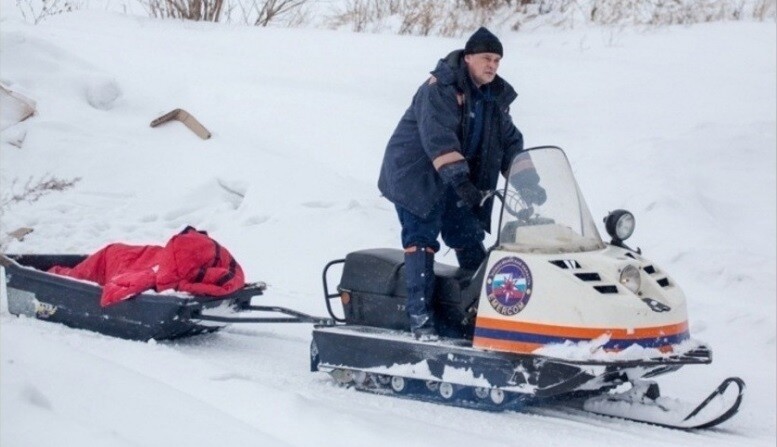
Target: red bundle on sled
[190, 262]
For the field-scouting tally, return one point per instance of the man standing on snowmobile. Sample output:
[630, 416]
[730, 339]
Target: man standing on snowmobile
[448, 148]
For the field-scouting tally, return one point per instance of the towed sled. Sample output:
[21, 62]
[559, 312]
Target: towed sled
[554, 316]
[45, 296]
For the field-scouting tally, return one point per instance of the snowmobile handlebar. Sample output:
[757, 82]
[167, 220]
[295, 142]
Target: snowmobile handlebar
[520, 209]
[487, 194]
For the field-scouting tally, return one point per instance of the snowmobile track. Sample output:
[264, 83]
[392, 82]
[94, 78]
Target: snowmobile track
[703, 415]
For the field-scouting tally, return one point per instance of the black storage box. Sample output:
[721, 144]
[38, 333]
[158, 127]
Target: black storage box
[374, 281]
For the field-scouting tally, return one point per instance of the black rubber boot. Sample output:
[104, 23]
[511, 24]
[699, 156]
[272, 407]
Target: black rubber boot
[419, 278]
[471, 257]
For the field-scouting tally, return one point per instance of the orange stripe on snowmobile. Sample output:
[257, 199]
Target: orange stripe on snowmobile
[522, 337]
[505, 345]
[579, 332]
[528, 348]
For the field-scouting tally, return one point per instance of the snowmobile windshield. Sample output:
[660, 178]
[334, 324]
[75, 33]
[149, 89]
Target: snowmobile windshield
[551, 218]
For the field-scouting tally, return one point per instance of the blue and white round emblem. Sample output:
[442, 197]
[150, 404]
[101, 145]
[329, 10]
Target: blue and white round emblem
[509, 285]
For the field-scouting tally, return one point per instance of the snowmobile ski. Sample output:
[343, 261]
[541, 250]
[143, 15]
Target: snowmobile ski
[643, 403]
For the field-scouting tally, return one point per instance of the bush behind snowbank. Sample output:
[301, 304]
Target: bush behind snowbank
[455, 18]
[452, 18]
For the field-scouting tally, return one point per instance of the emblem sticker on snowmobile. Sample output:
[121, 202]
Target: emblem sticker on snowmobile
[509, 286]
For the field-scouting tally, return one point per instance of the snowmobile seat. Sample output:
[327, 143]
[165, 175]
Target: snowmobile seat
[374, 280]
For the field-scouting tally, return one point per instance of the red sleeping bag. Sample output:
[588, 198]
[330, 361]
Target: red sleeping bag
[190, 262]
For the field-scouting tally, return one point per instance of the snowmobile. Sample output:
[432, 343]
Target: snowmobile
[553, 316]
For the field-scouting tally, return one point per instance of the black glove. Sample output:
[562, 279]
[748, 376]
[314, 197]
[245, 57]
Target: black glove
[469, 194]
[533, 194]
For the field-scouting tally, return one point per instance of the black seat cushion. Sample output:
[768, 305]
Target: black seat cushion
[380, 272]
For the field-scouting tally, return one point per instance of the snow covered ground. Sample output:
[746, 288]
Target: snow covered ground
[675, 124]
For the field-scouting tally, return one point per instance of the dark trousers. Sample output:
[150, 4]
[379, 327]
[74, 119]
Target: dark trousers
[460, 229]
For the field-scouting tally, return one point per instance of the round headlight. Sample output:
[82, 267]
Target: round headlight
[620, 224]
[631, 279]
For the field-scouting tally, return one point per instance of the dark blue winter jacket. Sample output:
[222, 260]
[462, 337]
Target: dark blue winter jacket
[424, 154]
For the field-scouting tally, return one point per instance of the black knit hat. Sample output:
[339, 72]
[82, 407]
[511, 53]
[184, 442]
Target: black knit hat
[483, 41]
